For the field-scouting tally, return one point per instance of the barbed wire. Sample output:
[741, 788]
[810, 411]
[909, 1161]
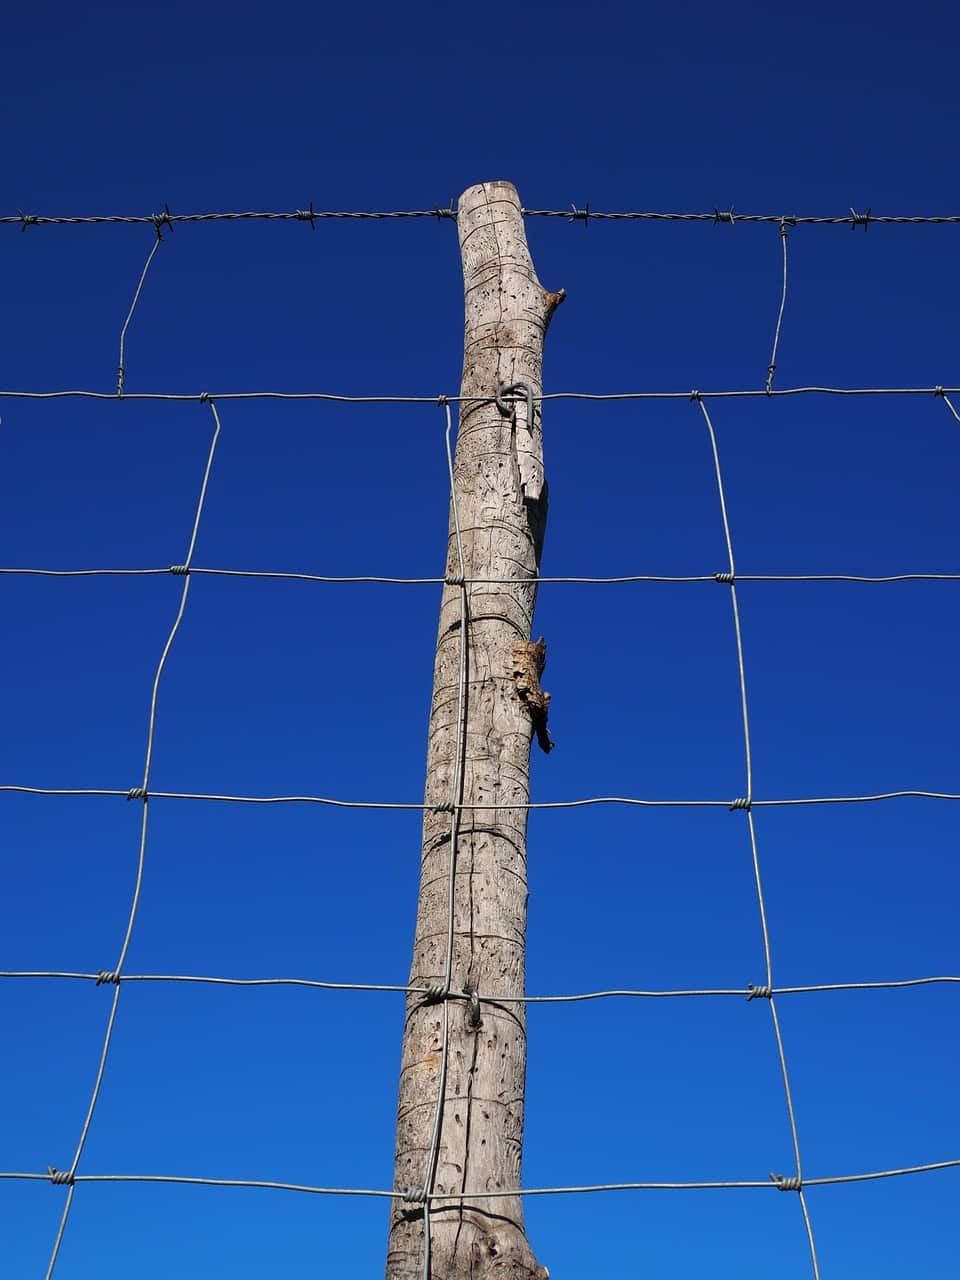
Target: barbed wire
[575, 214]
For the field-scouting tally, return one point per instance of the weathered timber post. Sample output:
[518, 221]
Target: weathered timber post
[501, 501]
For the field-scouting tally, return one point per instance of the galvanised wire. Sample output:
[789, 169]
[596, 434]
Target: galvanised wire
[373, 578]
[116, 978]
[69, 1177]
[793, 1182]
[574, 214]
[736, 803]
[121, 370]
[577, 997]
[442, 994]
[772, 366]
[582, 581]
[594, 396]
[720, 1185]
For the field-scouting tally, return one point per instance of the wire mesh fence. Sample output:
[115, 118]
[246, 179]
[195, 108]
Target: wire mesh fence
[762, 986]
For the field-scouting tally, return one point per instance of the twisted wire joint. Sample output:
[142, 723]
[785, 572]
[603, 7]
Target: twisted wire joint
[161, 220]
[308, 215]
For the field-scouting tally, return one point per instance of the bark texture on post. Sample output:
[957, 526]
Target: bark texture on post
[501, 499]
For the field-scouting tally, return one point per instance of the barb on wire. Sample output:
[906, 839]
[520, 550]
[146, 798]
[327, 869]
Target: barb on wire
[114, 977]
[795, 1181]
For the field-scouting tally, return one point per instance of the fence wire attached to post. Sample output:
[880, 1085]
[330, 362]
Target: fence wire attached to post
[426, 1194]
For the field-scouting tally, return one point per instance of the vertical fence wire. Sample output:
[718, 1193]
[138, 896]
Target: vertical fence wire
[121, 368]
[794, 1182]
[772, 366]
[456, 800]
[141, 793]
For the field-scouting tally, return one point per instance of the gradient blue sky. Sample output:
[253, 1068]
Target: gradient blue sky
[279, 687]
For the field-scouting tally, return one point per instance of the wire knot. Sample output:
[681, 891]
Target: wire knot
[442, 400]
[60, 1177]
[757, 992]
[725, 576]
[435, 993]
[785, 223]
[741, 802]
[413, 1195]
[723, 215]
[455, 580]
[859, 220]
[445, 806]
[137, 793]
[27, 219]
[107, 979]
[161, 220]
[308, 215]
[580, 215]
[786, 1182]
[695, 395]
[449, 212]
[204, 397]
[938, 390]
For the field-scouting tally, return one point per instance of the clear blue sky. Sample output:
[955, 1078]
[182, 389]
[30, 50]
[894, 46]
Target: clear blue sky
[279, 687]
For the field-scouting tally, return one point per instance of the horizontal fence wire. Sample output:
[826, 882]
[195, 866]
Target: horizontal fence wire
[432, 581]
[596, 396]
[426, 1196]
[724, 1185]
[584, 214]
[739, 802]
[752, 991]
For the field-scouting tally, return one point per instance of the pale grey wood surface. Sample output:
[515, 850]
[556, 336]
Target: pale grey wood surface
[501, 497]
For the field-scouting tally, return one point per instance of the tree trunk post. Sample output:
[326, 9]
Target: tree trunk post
[460, 1109]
